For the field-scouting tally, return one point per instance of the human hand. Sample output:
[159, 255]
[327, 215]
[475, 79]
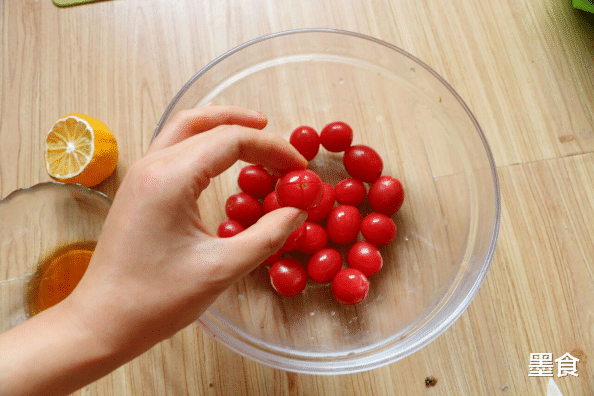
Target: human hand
[156, 268]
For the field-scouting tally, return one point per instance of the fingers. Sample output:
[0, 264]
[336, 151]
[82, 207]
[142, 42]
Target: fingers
[249, 248]
[208, 154]
[224, 149]
[187, 123]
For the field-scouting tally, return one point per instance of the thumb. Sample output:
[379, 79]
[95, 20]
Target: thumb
[252, 246]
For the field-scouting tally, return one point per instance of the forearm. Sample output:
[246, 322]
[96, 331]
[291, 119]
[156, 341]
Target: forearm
[51, 354]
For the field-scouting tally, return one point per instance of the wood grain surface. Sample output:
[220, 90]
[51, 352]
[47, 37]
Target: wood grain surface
[524, 67]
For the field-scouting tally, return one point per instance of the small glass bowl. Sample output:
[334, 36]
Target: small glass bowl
[427, 137]
[35, 222]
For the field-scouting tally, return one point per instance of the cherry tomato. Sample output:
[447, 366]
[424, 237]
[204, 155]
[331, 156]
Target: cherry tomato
[379, 229]
[350, 286]
[294, 240]
[343, 224]
[306, 140]
[350, 191]
[228, 228]
[365, 257]
[324, 265]
[321, 211]
[315, 238]
[255, 180]
[243, 208]
[386, 195]
[336, 136]
[363, 163]
[273, 258]
[301, 189]
[271, 203]
[288, 277]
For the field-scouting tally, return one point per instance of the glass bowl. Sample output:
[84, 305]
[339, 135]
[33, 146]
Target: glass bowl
[37, 221]
[428, 139]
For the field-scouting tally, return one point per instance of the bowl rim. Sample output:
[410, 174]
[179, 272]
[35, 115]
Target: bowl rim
[365, 363]
[53, 185]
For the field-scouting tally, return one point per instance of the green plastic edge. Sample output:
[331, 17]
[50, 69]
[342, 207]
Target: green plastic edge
[66, 3]
[585, 5]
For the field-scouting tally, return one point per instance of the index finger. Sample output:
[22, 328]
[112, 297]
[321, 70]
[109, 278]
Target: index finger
[213, 152]
[187, 123]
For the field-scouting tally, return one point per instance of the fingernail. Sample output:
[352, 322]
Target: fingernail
[302, 216]
[259, 114]
[299, 216]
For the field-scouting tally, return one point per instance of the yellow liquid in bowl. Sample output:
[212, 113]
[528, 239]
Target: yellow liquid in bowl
[57, 276]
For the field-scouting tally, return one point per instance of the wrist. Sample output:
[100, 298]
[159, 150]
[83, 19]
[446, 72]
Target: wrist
[108, 320]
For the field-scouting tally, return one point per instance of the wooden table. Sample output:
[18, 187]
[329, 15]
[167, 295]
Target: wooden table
[524, 67]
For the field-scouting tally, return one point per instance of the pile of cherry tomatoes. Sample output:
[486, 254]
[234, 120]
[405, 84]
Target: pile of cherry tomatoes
[327, 223]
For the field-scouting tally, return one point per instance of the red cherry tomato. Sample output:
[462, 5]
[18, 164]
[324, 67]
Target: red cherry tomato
[273, 258]
[288, 277]
[271, 203]
[300, 189]
[386, 195]
[243, 208]
[255, 180]
[306, 140]
[315, 238]
[350, 286]
[350, 191]
[363, 163]
[343, 224]
[379, 229]
[228, 228]
[336, 136]
[365, 257]
[294, 240]
[321, 211]
[324, 265]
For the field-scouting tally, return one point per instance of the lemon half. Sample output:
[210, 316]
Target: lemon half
[80, 149]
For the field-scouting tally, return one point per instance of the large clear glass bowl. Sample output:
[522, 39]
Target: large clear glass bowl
[427, 137]
[34, 222]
